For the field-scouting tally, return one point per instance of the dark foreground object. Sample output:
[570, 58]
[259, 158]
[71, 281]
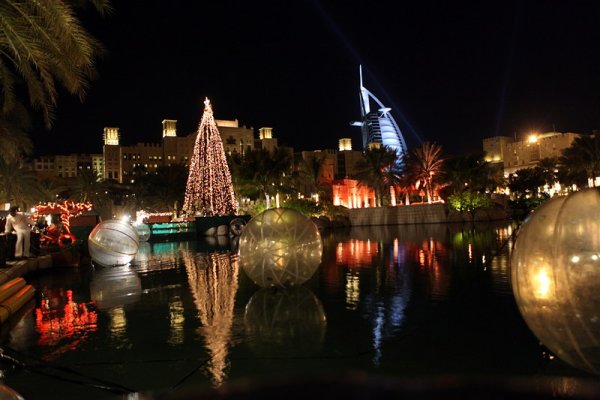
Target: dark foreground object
[431, 388]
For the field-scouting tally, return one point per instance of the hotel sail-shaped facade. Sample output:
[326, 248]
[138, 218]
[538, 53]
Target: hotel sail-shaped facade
[378, 125]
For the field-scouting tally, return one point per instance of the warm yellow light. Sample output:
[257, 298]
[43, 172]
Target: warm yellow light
[542, 284]
[533, 138]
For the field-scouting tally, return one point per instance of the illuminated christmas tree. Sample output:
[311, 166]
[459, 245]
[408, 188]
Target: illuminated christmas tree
[209, 191]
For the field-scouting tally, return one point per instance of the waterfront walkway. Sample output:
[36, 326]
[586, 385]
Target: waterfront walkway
[20, 268]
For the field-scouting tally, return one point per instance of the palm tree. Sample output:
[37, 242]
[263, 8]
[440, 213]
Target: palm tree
[88, 186]
[427, 163]
[581, 158]
[18, 185]
[162, 190]
[408, 179]
[467, 172]
[50, 189]
[526, 183]
[265, 173]
[43, 47]
[310, 174]
[379, 169]
[548, 169]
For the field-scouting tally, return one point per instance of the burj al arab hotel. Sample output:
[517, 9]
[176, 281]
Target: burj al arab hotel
[378, 125]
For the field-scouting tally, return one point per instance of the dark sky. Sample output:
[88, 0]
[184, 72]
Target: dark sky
[453, 72]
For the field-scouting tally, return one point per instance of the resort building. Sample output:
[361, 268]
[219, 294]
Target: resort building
[514, 154]
[337, 164]
[377, 125]
[67, 166]
[124, 163]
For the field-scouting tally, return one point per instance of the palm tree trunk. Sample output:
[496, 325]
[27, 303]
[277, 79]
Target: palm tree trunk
[428, 191]
[392, 196]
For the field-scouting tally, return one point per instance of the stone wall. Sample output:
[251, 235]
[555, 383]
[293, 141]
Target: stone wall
[419, 214]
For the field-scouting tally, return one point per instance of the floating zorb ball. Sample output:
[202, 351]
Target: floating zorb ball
[143, 231]
[555, 273]
[113, 242]
[280, 247]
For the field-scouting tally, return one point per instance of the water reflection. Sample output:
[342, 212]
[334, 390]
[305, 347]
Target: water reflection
[404, 301]
[379, 266]
[285, 322]
[117, 328]
[61, 323]
[160, 256]
[176, 321]
[213, 281]
[113, 287]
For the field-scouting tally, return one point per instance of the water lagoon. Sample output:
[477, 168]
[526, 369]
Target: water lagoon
[400, 303]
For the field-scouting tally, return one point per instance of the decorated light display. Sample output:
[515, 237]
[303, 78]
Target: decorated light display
[209, 191]
[60, 235]
[280, 247]
[555, 272]
[113, 242]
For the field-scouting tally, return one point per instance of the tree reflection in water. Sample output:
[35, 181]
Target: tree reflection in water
[213, 281]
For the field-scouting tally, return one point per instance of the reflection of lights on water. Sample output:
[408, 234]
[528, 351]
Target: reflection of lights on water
[214, 285]
[352, 290]
[378, 334]
[118, 324]
[396, 250]
[339, 252]
[176, 321]
[470, 249]
[59, 318]
[421, 258]
[355, 253]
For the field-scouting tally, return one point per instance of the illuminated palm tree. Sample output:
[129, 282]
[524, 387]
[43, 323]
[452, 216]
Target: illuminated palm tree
[427, 163]
[408, 179]
[379, 169]
[43, 47]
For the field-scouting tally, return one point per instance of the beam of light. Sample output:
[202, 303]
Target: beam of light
[508, 71]
[380, 89]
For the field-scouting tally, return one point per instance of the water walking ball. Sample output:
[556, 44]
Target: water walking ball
[280, 247]
[555, 273]
[113, 242]
[143, 232]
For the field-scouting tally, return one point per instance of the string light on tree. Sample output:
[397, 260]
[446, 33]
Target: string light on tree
[209, 191]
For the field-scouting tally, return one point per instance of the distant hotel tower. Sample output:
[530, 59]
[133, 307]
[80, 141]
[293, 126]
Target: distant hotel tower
[378, 127]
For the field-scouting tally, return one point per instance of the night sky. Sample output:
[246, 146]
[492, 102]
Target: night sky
[453, 72]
